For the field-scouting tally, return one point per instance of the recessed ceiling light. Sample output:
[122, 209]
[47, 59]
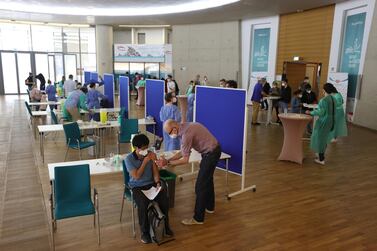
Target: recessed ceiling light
[33, 7]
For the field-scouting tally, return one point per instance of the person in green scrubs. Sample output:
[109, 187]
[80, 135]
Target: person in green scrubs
[325, 124]
[340, 129]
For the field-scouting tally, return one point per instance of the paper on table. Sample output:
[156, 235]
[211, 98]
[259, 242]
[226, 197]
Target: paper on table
[152, 192]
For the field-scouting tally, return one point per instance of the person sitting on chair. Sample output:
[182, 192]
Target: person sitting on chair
[144, 174]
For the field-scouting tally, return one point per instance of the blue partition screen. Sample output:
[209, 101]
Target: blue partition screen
[222, 112]
[94, 76]
[108, 80]
[124, 93]
[154, 100]
[86, 76]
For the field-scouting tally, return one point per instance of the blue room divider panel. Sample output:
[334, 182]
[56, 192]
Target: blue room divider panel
[222, 111]
[86, 76]
[108, 79]
[124, 93]
[154, 100]
[93, 76]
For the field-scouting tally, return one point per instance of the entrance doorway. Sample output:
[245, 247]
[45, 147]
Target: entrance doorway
[296, 71]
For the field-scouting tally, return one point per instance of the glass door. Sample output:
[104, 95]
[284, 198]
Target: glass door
[70, 65]
[51, 68]
[9, 67]
[24, 67]
[41, 65]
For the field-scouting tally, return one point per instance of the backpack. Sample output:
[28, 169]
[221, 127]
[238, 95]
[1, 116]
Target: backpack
[156, 221]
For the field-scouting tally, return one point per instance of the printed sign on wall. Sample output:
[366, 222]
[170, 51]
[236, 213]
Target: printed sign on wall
[261, 44]
[153, 53]
[351, 51]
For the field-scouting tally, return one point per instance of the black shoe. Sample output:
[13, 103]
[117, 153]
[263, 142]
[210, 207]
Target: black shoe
[169, 232]
[255, 123]
[146, 238]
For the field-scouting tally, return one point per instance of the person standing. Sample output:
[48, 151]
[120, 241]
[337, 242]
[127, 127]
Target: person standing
[340, 129]
[42, 80]
[196, 136]
[51, 93]
[265, 92]
[275, 92]
[325, 124]
[285, 96]
[69, 85]
[60, 88]
[29, 81]
[308, 97]
[74, 103]
[256, 99]
[190, 105]
[93, 100]
[303, 84]
[170, 111]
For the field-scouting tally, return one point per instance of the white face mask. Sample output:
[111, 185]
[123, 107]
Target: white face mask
[300, 96]
[174, 100]
[143, 152]
[308, 91]
[173, 136]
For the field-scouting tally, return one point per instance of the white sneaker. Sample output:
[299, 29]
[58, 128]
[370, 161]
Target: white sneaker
[334, 140]
[319, 161]
[210, 211]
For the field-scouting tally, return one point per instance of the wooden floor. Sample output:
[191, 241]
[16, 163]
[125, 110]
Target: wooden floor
[296, 207]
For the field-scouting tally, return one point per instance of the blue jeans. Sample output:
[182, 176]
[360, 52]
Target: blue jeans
[283, 106]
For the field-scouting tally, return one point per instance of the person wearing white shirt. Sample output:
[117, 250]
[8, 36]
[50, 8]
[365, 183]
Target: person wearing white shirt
[69, 85]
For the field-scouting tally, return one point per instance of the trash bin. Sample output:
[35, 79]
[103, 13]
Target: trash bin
[169, 178]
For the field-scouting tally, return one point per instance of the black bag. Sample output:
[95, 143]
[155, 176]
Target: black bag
[156, 221]
[157, 144]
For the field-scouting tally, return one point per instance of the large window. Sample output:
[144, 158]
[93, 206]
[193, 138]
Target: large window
[15, 37]
[47, 38]
[56, 51]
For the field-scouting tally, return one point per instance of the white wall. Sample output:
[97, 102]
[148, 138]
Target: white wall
[152, 35]
[340, 15]
[366, 109]
[104, 48]
[247, 27]
[122, 37]
[211, 50]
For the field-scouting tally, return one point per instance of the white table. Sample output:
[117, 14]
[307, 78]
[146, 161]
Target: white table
[100, 166]
[44, 103]
[34, 115]
[269, 112]
[96, 167]
[42, 129]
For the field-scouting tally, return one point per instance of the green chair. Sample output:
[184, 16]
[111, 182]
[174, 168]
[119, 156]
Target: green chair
[127, 128]
[54, 119]
[128, 195]
[73, 139]
[71, 196]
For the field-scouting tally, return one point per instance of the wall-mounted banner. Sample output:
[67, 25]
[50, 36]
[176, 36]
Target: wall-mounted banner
[260, 52]
[351, 51]
[154, 53]
[340, 81]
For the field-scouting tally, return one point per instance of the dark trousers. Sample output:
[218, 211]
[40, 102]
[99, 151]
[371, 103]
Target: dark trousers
[264, 104]
[204, 187]
[142, 203]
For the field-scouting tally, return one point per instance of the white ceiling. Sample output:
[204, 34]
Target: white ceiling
[236, 11]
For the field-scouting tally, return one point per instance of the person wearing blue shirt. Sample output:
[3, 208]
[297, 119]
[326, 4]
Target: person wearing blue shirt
[190, 105]
[51, 93]
[256, 99]
[74, 103]
[93, 100]
[144, 175]
[170, 111]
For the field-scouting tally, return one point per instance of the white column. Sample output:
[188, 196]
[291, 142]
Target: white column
[104, 48]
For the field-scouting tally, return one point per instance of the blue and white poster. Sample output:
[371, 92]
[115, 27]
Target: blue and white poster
[261, 44]
[351, 51]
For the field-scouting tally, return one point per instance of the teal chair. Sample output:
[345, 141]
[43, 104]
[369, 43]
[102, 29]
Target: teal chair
[73, 139]
[71, 196]
[54, 119]
[127, 128]
[29, 112]
[128, 195]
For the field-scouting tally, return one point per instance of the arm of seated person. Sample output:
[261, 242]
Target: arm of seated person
[136, 173]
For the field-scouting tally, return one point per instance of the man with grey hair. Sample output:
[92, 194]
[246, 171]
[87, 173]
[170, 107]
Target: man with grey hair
[198, 137]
